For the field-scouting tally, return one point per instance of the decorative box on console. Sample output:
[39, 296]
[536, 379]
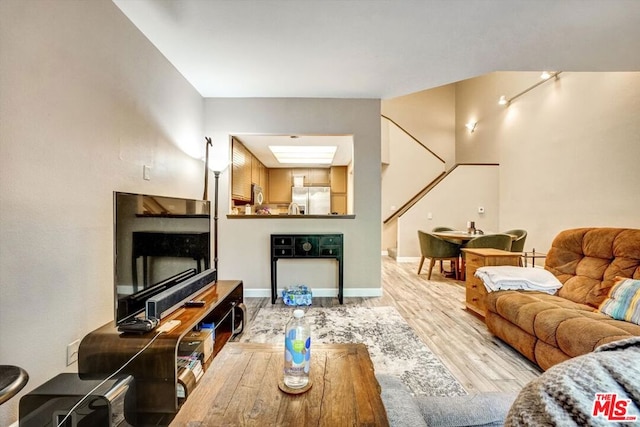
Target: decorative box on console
[297, 295]
[200, 341]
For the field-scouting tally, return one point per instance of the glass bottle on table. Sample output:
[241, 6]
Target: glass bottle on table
[297, 351]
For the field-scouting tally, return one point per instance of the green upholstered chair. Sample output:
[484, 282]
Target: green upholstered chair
[517, 245]
[496, 241]
[442, 228]
[435, 248]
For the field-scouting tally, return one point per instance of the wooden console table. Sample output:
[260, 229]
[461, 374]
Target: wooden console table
[157, 244]
[241, 388]
[304, 245]
[105, 350]
[476, 293]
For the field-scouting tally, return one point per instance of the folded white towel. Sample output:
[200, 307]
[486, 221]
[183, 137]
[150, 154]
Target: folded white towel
[505, 277]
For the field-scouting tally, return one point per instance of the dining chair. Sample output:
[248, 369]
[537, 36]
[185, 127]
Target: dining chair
[496, 241]
[517, 245]
[435, 248]
[442, 228]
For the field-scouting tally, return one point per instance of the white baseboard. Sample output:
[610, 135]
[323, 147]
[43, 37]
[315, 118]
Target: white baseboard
[320, 292]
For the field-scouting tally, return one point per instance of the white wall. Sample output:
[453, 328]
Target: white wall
[568, 150]
[244, 243]
[452, 203]
[410, 169]
[86, 101]
[429, 116]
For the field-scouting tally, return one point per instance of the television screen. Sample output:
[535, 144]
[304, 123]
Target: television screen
[158, 242]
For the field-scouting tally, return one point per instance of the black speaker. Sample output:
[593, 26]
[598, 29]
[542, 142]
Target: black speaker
[167, 301]
[112, 404]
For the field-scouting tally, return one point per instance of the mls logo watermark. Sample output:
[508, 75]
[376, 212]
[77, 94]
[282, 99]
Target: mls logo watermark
[611, 408]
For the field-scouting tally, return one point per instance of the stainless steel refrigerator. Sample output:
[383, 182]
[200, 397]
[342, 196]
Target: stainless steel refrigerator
[312, 200]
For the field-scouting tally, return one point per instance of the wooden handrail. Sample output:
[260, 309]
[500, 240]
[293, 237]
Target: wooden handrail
[414, 138]
[151, 205]
[420, 194]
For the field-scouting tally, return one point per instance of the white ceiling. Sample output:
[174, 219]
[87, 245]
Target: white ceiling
[380, 48]
[259, 147]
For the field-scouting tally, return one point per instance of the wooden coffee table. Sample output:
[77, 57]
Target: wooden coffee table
[240, 388]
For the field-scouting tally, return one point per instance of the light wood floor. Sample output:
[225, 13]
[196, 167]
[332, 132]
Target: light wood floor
[435, 310]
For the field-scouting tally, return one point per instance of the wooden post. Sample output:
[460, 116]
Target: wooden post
[206, 168]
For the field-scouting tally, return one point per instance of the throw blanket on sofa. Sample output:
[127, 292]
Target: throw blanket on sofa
[503, 277]
[594, 389]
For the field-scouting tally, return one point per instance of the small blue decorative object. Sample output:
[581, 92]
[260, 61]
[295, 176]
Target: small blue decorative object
[297, 295]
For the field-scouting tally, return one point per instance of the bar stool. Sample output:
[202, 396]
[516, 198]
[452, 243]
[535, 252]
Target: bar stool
[12, 380]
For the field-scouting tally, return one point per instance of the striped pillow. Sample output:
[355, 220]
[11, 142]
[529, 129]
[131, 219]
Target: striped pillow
[623, 302]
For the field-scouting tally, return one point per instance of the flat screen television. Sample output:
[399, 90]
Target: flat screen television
[159, 242]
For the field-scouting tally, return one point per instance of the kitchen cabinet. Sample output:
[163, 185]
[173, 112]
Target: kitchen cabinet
[313, 177]
[247, 170]
[241, 172]
[280, 183]
[264, 180]
[339, 204]
[255, 171]
[338, 179]
[339, 189]
[318, 177]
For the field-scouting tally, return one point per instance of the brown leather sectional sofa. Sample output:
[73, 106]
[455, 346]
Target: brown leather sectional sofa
[549, 329]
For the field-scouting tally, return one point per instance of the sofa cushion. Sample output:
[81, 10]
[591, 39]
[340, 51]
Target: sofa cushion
[579, 335]
[587, 261]
[522, 307]
[557, 321]
[623, 302]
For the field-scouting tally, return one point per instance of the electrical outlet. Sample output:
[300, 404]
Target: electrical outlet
[72, 352]
[481, 210]
[429, 215]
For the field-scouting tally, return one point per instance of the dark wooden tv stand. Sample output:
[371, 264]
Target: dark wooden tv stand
[106, 350]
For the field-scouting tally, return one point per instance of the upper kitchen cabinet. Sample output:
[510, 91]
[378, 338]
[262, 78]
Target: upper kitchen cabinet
[339, 190]
[241, 172]
[280, 182]
[313, 177]
[247, 170]
[338, 179]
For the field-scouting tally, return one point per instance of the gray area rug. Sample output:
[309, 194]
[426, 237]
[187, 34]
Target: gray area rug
[394, 348]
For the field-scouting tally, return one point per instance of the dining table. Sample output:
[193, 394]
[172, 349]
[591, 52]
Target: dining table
[462, 237]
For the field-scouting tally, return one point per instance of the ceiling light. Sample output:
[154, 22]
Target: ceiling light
[545, 76]
[304, 154]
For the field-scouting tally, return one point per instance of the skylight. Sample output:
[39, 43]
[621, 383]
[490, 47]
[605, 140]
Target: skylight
[304, 154]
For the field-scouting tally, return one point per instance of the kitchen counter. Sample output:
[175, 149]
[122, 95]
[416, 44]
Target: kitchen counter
[285, 216]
